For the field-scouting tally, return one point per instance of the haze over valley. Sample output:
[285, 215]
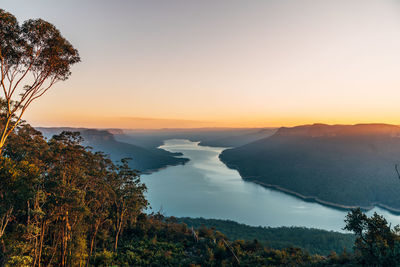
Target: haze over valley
[199, 133]
[342, 166]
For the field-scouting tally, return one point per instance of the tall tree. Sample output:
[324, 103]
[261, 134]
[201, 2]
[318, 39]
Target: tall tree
[33, 57]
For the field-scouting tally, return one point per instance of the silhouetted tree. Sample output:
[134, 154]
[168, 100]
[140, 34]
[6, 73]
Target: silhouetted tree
[376, 243]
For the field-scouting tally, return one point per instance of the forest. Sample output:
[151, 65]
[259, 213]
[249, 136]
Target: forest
[339, 165]
[315, 241]
[147, 159]
[63, 203]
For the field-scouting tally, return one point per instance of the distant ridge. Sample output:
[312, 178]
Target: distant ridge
[337, 165]
[320, 130]
[50, 131]
[142, 159]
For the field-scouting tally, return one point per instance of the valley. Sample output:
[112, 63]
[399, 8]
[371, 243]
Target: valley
[342, 166]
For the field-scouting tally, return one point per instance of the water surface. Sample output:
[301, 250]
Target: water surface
[205, 187]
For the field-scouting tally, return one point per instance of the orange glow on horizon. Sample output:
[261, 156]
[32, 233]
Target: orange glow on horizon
[189, 64]
[157, 123]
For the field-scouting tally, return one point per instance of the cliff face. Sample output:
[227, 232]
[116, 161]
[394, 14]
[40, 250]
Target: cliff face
[351, 165]
[92, 135]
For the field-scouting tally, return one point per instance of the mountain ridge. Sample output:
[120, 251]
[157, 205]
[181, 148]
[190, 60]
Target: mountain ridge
[335, 165]
[146, 160]
[319, 129]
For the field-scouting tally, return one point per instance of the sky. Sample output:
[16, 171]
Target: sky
[227, 63]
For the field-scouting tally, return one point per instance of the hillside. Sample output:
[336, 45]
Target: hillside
[315, 241]
[342, 165]
[143, 159]
[239, 139]
[68, 183]
[218, 137]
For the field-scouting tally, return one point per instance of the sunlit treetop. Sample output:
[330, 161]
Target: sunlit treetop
[33, 57]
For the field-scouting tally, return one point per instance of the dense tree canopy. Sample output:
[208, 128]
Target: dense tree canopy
[315, 241]
[57, 198]
[63, 205]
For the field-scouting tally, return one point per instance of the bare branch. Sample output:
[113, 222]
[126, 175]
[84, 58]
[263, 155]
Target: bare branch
[26, 71]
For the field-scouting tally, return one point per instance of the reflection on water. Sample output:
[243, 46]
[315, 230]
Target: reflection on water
[205, 187]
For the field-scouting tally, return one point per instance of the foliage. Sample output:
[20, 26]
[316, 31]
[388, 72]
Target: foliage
[315, 241]
[34, 53]
[63, 205]
[144, 159]
[346, 165]
[376, 244]
[59, 201]
[157, 241]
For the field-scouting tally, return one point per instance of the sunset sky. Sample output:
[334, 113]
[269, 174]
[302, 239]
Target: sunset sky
[151, 64]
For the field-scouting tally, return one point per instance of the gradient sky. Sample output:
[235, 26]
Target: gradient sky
[222, 63]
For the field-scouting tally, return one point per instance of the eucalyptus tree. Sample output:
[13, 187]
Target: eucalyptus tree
[33, 57]
[129, 199]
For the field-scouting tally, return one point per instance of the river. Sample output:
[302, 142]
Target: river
[205, 187]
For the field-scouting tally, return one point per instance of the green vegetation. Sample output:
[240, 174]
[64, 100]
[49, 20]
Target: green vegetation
[157, 241]
[315, 241]
[62, 204]
[33, 57]
[142, 145]
[217, 137]
[143, 159]
[377, 244]
[59, 201]
[343, 165]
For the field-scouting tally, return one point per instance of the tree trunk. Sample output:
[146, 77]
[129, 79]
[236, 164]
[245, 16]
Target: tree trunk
[41, 242]
[65, 241]
[4, 221]
[96, 228]
[35, 252]
[118, 232]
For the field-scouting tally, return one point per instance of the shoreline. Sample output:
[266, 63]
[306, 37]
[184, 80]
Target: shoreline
[178, 155]
[323, 202]
[150, 171]
[313, 199]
